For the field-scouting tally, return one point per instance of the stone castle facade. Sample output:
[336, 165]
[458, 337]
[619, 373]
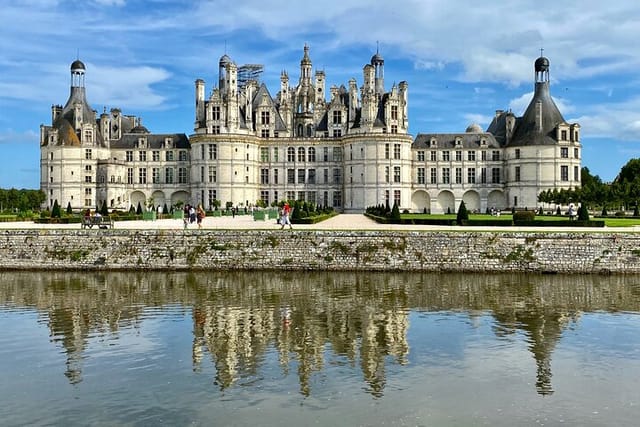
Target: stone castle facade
[350, 150]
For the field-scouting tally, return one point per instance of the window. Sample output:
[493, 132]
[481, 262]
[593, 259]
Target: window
[182, 155]
[325, 154]
[564, 173]
[264, 196]
[421, 156]
[301, 176]
[215, 112]
[142, 156]
[212, 196]
[155, 175]
[87, 168]
[275, 154]
[88, 135]
[87, 202]
[142, 176]
[483, 175]
[396, 197]
[275, 176]
[458, 156]
[446, 176]
[337, 154]
[483, 156]
[458, 175]
[576, 173]
[129, 175]
[337, 176]
[421, 176]
[265, 117]
[434, 156]
[337, 133]
[396, 174]
[311, 154]
[311, 196]
[394, 112]
[301, 154]
[563, 135]
[517, 153]
[201, 173]
[564, 152]
[87, 154]
[471, 175]
[291, 177]
[337, 117]
[168, 176]
[337, 199]
[445, 156]
[517, 174]
[396, 151]
[264, 133]
[291, 154]
[182, 176]
[495, 175]
[387, 151]
[394, 128]
[495, 155]
[576, 153]
[311, 176]
[202, 151]
[215, 129]
[471, 156]
[155, 155]
[129, 156]
[169, 156]
[264, 176]
[386, 174]
[326, 176]
[213, 151]
[87, 192]
[264, 154]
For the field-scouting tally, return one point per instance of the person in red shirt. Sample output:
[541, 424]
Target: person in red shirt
[284, 219]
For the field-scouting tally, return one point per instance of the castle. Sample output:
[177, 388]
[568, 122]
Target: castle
[349, 151]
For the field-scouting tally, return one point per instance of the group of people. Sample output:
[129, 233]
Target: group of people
[193, 214]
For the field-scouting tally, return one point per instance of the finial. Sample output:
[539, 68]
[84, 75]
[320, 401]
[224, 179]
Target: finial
[377, 46]
[541, 51]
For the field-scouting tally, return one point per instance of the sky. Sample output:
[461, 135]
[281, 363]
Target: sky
[462, 60]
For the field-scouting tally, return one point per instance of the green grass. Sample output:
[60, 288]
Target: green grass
[609, 222]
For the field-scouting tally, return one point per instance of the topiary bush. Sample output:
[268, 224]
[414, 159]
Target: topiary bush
[463, 214]
[524, 216]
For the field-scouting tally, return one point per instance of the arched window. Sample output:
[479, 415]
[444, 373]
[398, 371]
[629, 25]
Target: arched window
[291, 154]
[301, 154]
[312, 154]
[300, 128]
[309, 131]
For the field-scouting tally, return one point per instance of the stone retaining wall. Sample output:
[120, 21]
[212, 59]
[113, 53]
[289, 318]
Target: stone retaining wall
[596, 252]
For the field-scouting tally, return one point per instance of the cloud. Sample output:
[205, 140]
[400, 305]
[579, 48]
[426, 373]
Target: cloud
[10, 136]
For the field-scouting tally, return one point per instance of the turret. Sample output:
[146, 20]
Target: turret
[377, 62]
[199, 103]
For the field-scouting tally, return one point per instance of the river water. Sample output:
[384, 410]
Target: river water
[328, 349]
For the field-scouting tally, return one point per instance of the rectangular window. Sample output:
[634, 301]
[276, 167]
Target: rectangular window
[155, 175]
[265, 117]
[483, 156]
[445, 156]
[291, 176]
[421, 156]
[471, 156]
[575, 153]
[563, 135]
[471, 175]
[564, 152]
[337, 176]
[301, 154]
[446, 176]
[337, 199]
[213, 175]
[517, 153]
[337, 154]
[386, 174]
[394, 128]
[396, 174]
[311, 196]
[434, 156]
[264, 154]
[88, 178]
[201, 173]
[182, 176]
[264, 176]
[326, 176]
[396, 197]
[576, 173]
[458, 175]
[155, 155]
[337, 117]
[495, 175]
[212, 197]
[129, 175]
[394, 112]
[168, 176]
[182, 155]
[517, 174]
[311, 176]
[169, 156]
[301, 196]
[275, 177]
[325, 154]
[142, 156]
[387, 152]
[483, 175]
[291, 195]
[87, 154]
[142, 176]
[421, 176]
[264, 196]
[495, 155]
[396, 151]
[215, 129]
[311, 157]
[202, 151]
[264, 133]
[458, 156]
[434, 176]
[564, 173]
[87, 168]
[129, 156]
[213, 151]
[87, 192]
[337, 133]
[301, 176]
[215, 112]
[275, 154]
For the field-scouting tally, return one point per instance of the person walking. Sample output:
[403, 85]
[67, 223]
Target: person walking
[284, 219]
[200, 215]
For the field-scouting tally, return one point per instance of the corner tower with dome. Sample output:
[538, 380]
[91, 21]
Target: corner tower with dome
[506, 166]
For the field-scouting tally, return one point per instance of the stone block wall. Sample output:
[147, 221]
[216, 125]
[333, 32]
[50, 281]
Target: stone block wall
[595, 252]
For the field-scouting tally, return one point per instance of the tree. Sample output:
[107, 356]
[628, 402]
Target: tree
[583, 212]
[139, 209]
[69, 210]
[103, 209]
[55, 211]
[395, 212]
[463, 214]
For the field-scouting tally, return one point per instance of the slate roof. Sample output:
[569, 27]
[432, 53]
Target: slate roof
[448, 140]
[156, 141]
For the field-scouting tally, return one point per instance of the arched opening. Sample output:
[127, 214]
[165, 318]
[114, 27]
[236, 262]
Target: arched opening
[496, 200]
[471, 200]
[446, 202]
[420, 201]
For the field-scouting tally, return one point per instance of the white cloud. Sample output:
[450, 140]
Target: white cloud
[11, 136]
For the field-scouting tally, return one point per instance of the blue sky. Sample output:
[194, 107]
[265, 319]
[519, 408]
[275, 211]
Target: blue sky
[462, 60]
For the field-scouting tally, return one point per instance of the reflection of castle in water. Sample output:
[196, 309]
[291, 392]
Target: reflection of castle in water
[362, 319]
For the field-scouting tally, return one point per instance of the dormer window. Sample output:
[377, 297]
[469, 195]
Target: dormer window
[458, 141]
[433, 142]
[168, 143]
[483, 142]
[142, 142]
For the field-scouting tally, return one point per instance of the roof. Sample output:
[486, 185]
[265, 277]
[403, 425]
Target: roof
[130, 140]
[448, 140]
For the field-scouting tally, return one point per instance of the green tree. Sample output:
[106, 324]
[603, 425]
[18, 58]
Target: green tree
[69, 210]
[395, 212]
[103, 209]
[139, 209]
[55, 211]
[583, 212]
[463, 214]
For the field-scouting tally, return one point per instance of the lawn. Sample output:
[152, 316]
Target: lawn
[609, 222]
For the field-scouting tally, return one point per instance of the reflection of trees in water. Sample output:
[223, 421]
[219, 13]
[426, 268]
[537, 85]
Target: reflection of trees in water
[359, 318]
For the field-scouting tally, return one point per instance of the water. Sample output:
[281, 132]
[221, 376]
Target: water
[265, 348]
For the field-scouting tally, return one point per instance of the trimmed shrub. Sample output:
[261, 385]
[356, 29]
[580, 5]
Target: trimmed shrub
[55, 211]
[583, 213]
[463, 214]
[524, 216]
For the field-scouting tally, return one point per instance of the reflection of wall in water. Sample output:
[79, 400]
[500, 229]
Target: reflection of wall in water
[361, 317]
